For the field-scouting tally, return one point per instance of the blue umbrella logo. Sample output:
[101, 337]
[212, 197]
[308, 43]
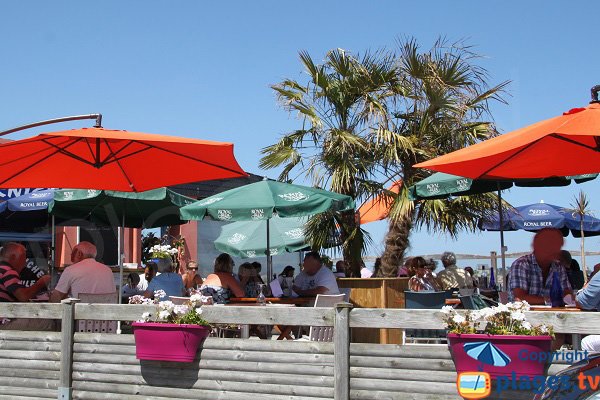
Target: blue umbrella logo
[487, 353]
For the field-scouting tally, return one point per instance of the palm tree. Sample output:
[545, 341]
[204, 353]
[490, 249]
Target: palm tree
[445, 108]
[344, 100]
[581, 208]
[367, 120]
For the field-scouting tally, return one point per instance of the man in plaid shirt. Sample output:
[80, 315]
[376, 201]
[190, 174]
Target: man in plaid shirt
[530, 277]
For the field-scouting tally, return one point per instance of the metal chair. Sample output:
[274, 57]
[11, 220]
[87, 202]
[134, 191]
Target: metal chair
[96, 326]
[324, 333]
[429, 301]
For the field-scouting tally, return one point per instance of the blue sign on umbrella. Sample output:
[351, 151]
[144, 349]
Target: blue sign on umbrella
[487, 353]
[537, 216]
[33, 201]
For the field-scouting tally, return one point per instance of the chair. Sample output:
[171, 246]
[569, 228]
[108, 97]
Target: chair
[346, 292]
[178, 299]
[429, 301]
[466, 292]
[324, 333]
[476, 302]
[95, 326]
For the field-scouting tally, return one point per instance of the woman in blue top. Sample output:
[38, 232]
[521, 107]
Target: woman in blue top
[166, 280]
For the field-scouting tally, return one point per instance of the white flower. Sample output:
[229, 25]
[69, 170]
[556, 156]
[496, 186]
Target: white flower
[166, 305]
[447, 309]
[181, 309]
[502, 308]
[159, 294]
[199, 311]
[146, 316]
[459, 319]
[544, 329]
[164, 314]
[518, 316]
[196, 298]
[526, 325]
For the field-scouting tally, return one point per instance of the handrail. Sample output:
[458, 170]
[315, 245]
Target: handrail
[563, 322]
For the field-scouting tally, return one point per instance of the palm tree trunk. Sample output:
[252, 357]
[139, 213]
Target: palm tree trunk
[396, 243]
[352, 237]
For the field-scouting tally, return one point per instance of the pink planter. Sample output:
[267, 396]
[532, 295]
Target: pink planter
[168, 342]
[500, 355]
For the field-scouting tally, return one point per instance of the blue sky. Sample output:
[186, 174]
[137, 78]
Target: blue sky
[203, 69]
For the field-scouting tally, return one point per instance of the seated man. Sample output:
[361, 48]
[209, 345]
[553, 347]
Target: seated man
[85, 275]
[588, 298]
[12, 262]
[167, 280]
[530, 276]
[315, 278]
[453, 277]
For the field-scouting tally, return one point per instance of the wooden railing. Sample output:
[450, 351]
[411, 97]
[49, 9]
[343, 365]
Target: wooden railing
[337, 370]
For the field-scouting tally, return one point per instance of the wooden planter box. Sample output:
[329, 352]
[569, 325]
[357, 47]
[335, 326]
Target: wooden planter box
[376, 293]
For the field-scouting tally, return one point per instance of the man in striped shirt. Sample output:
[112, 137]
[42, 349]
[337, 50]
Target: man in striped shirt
[12, 262]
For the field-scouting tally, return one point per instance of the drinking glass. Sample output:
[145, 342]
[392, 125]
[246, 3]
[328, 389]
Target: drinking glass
[260, 299]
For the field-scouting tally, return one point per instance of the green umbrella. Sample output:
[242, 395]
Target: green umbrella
[149, 209]
[153, 208]
[441, 185]
[247, 239]
[261, 200]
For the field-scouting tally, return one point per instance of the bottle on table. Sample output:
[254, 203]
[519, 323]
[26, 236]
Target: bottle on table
[483, 278]
[556, 292]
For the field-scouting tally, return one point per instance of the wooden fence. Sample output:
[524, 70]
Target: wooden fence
[67, 365]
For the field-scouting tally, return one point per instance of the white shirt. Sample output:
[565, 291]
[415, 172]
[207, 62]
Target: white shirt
[323, 277]
[86, 276]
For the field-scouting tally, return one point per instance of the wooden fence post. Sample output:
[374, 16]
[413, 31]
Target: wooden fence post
[65, 390]
[341, 352]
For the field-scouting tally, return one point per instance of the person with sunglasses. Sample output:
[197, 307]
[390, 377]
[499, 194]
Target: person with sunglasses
[191, 279]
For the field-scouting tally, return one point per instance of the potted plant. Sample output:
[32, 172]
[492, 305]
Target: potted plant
[173, 333]
[498, 340]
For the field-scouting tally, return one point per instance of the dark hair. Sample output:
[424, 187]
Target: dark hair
[315, 255]
[224, 263]
[256, 265]
[287, 269]
[417, 262]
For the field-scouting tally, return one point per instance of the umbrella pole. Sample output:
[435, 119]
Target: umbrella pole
[269, 259]
[121, 246]
[53, 255]
[502, 247]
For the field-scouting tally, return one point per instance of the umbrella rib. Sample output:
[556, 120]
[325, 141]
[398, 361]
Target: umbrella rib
[57, 150]
[530, 144]
[68, 153]
[194, 159]
[112, 153]
[149, 146]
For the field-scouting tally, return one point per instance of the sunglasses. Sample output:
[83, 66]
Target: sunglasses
[193, 269]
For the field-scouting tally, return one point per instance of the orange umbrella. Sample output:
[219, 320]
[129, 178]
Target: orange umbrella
[378, 208]
[97, 158]
[565, 145]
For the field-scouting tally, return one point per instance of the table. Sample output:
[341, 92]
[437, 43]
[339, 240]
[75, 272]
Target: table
[452, 301]
[284, 330]
[550, 308]
[275, 300]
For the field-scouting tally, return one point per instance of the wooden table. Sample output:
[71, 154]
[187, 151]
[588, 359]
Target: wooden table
[549, 308]
[452, 301]
[284, 330]
[274, 300]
